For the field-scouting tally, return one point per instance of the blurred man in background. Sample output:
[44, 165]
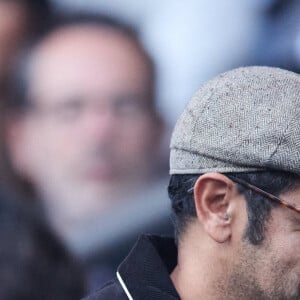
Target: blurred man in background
[85, 132]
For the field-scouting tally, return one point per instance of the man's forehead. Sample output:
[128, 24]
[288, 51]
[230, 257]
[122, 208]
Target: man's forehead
[91, 55]
[73, 40]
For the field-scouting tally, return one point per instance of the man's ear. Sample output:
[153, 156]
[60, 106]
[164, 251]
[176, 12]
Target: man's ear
[213, 196]
[14, 140]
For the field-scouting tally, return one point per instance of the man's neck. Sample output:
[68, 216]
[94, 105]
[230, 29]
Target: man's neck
[198, 276]
[189, 287]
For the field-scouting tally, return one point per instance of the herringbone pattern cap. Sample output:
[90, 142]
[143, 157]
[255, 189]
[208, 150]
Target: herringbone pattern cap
[244, 120]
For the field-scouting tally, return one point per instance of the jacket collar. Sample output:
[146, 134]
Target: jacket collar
[144, 274]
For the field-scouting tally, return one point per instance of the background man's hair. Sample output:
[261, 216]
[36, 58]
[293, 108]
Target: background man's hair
[258, 206]
[41, 14]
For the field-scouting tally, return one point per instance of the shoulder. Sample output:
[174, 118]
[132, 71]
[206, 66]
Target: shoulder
[112, 290]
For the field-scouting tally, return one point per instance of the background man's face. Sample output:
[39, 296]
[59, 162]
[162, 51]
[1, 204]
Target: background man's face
[90, 135]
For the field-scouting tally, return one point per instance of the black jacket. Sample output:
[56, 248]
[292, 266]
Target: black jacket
[144, 274]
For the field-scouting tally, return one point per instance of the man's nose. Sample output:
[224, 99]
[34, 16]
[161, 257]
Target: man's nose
[99, 123]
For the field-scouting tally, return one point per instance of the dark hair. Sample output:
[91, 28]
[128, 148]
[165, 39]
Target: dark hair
[258, 207]
[17, 96]
[40, 15]
[33, 263]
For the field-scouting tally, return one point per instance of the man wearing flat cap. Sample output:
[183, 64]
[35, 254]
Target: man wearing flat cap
[235, 194]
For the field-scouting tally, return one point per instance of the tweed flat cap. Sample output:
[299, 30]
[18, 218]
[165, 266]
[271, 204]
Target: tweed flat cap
[247, 119]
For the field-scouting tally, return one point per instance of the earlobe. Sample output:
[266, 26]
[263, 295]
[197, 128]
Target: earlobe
[212, 195]
[227, 216]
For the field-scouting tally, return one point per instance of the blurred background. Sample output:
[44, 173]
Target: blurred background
[90, 91]
[193, 41]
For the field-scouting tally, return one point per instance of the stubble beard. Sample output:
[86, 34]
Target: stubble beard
[244, 280]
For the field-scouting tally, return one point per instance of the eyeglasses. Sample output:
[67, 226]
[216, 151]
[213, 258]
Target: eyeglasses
[264, 193]
[259, 191]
